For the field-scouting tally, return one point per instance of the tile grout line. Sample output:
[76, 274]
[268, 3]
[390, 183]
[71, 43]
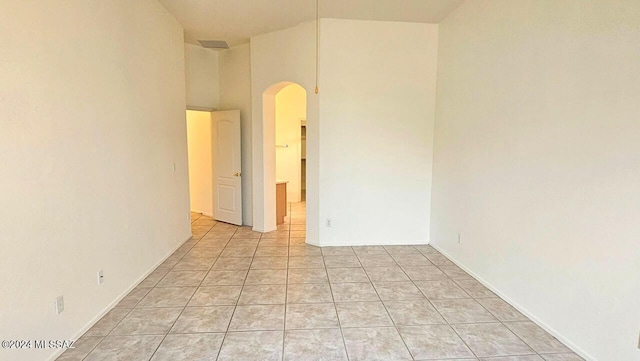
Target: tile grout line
[445, 320]
[436, 309]
[189, 300]
[395, 326]
[335, 307]
[520, 338]
[286, 287]
[497, 320]
[235, 307]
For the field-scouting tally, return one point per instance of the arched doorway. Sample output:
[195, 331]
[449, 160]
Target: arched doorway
[284, 123]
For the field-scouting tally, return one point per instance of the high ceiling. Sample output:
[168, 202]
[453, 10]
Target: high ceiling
[237, 20]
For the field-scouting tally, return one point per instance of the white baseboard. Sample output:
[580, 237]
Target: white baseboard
[255, 229]
[372, 243]
[519, 307]
[312, 242]
[104, 311]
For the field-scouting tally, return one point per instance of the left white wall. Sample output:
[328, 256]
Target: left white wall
[202, 78]
[92, 117]
[200, 164]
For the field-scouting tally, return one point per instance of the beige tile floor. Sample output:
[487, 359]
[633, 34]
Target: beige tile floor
[233, 294]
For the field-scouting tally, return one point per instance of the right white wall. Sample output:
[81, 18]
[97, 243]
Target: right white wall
[537, 162]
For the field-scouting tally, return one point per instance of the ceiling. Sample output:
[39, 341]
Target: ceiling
[237, 20]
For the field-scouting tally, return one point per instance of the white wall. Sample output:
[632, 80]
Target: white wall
[291, 108]
[202, 77]
[536, 162]
[377, 83]
[282, 56]
[93, 121]
[235, 93]
[200, 164]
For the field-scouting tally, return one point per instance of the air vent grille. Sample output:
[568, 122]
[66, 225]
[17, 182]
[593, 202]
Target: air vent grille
[214, 44]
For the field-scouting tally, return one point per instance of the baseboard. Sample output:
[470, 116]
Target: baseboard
[312, 242]
[372, 243]
[520, 308]
[255, 229]
[203, 213]
[91, 323]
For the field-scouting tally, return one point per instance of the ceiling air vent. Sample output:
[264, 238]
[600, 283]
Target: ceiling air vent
[214, 44]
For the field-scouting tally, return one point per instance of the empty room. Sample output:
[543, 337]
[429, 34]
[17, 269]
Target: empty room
[344, 180]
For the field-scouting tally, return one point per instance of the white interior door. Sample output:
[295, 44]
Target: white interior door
[227, 164]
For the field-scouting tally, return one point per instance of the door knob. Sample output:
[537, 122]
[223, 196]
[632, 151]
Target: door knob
[236, 174]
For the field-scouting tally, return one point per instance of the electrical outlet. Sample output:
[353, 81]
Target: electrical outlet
[328, 222]
[59, 303]
[459, 240]
[100, 277]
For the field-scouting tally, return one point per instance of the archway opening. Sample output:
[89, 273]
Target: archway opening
[284, 142]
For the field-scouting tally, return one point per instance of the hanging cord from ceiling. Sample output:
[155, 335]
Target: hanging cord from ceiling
[317, 42]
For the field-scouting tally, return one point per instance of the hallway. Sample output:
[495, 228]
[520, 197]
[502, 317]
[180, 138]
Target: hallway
[233, 294]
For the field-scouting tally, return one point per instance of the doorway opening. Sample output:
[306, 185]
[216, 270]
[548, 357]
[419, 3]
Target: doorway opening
[285, 106]
[213, 145]
[200, 162]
